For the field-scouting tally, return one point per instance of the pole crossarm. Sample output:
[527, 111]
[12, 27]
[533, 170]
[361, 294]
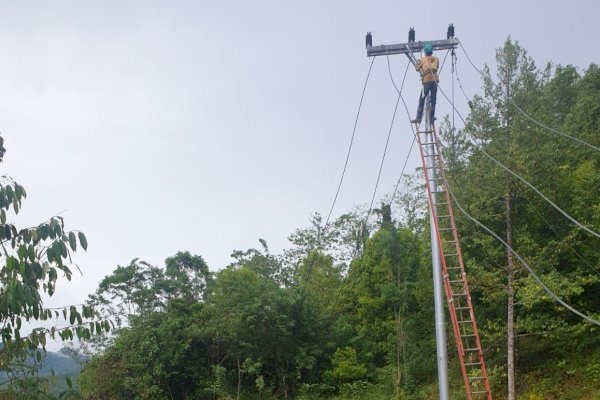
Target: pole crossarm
[411, 47]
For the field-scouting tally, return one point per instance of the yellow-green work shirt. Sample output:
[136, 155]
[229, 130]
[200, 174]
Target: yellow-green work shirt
[428, 67]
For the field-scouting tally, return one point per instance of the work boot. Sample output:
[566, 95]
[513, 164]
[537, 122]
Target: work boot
[416, 120]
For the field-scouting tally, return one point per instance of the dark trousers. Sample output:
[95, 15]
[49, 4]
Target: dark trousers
[431, 89]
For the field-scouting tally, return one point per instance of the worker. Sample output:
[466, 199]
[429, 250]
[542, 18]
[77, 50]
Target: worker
[427, 67]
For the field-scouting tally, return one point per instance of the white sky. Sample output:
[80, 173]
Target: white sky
[159, 126]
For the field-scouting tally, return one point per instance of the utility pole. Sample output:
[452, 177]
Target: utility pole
[450, 43]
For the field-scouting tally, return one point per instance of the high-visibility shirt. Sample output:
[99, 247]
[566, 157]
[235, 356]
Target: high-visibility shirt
[428, 66]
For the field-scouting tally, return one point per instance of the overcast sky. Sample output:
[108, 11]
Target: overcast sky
[159, 126]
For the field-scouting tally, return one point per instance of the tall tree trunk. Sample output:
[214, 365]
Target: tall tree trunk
[399, 335]
[510, 312]
[239, 382]
[510, 319]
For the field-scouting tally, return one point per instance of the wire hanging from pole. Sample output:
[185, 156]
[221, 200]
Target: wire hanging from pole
[413, 141]
[541, 125]
[529, 269]
[567, 215]
[350, 146]
[453, 70]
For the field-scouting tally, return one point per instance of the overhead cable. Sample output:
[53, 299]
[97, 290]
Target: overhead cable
[325, 226]
[414, 138]
[531, 271]
[350, 146]
[568, 216]
[366, 218]
[591, 146]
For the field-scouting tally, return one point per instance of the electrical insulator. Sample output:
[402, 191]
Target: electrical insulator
[369, 40]
[411, 35]
[450, 33]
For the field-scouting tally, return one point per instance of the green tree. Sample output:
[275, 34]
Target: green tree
[155, 358]
[31, 261]
[559, 168]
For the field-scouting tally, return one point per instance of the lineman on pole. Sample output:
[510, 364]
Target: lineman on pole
[427, 67]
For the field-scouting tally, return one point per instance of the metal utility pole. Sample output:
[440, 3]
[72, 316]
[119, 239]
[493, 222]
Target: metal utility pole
[432, 181]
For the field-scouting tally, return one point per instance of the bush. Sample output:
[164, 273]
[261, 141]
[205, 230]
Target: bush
[355, 390]
[315, 391]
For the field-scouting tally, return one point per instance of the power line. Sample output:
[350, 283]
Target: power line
[325, 226]
[554, 230]
[531, 271]
[413, 141]
[411, 127]
[384, 154]
[579, 224]
[480, 148]
[350, 146]
[459, 82]
[591, 146]
[364, 221]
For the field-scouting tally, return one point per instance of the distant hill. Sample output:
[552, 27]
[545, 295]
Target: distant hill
[57, 361]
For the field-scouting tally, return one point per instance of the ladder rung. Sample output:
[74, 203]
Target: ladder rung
[451, 254]
[476, 378]
[443, 216]
[472, 364]
[469, 335]
[430, 155]
[457, 281]
[453, 268]
[445, 229]
[425, 132]
[466, 321]
[459, 294]
[461, 308]
[472, 349]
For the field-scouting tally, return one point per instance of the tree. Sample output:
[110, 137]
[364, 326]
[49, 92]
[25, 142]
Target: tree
[31, 260]
[555, 166]
[155, 358]
[186, 276]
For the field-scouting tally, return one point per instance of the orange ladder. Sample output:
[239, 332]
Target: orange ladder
[456, 287]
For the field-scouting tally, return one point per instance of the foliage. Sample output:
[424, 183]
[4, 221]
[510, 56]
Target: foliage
[347, 311]
[31, 261]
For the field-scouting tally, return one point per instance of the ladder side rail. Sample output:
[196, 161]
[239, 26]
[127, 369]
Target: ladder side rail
[447, 287]
[461, 263]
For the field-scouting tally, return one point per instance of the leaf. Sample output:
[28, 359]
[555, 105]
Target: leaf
[72, 241]
[69, 383]
[3, 216]
[83, 240]
[9, 193]
[63, 249]
[31, 253]
[49, 254]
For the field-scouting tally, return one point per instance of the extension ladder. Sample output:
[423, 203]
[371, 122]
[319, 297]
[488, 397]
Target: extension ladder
[458, 297]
